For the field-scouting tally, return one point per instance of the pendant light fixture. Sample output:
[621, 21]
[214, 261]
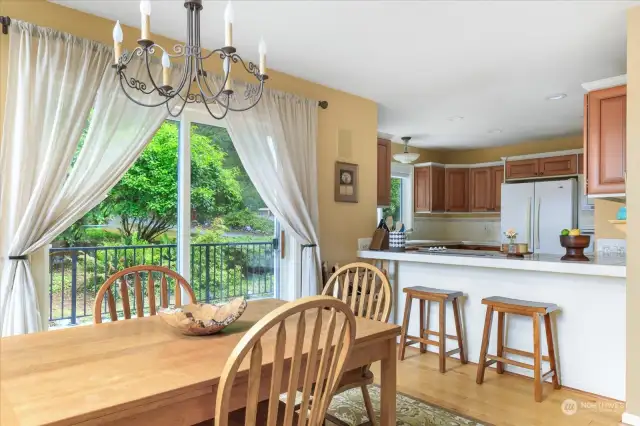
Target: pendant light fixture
[406, 157]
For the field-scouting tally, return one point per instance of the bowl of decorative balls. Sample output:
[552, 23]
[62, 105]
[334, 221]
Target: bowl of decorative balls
[203, 319]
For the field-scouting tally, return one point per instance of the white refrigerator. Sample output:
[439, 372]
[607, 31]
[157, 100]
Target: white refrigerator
[538, 211]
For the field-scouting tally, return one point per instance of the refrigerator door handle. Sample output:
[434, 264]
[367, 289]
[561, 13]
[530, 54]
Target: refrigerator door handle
[528, 221]
[538, 224]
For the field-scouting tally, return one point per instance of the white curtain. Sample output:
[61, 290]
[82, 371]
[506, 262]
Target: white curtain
[54, 80]
[276, 142]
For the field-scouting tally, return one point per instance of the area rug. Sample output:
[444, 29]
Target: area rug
[347, 409]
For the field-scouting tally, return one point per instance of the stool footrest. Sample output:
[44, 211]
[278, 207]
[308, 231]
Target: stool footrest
[522, 353]
[435, 333]
[488, 363]
[510, 362]
[452, 352]
[415, 339]
[548, 374]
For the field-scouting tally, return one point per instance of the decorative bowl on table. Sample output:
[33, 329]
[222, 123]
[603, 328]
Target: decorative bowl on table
[575, 245]
[203, 319]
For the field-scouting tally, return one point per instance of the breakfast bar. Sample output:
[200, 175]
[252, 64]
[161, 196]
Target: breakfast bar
[589, 327]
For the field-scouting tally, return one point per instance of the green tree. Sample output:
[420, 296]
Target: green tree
[396, 199]
[146, 197]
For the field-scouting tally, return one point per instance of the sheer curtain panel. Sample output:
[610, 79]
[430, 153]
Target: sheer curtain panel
[276, 142]
[54, 81]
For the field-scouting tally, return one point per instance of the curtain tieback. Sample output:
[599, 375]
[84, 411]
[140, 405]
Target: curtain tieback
[24, 257]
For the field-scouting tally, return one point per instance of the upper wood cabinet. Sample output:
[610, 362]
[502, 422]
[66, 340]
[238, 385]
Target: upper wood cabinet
[521, 169]
[497, 178]
[606, 140]
[457, 190]
[558, 166]
[429, 189]
[480, 194]
[384, 172]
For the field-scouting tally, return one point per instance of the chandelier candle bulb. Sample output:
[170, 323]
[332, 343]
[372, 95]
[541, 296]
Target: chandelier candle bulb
[145, 11]
[262, 50]
[228, 24]
[117, 42]
[166, 69]
[226, 68]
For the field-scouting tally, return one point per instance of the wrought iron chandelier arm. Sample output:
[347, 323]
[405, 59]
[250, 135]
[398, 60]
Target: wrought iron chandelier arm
[137, 102]
[261, 90]
[226, 109]
[251, 69]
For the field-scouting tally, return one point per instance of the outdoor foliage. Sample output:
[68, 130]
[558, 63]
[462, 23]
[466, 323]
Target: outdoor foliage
[146, 198]
[395, 206]
[242, 219]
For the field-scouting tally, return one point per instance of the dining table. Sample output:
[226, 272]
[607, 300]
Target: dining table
[143, 372]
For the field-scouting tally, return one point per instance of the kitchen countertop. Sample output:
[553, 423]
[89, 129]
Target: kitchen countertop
[606, 265]
[428, 243]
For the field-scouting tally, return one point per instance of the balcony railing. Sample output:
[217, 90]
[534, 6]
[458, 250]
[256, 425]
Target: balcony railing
[219, 271]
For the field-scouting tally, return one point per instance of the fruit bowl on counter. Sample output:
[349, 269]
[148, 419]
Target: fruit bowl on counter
[574, 243]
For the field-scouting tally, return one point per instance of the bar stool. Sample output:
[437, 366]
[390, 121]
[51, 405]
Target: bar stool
[427, 294]
[502, 306]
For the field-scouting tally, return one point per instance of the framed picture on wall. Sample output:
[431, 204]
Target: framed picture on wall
[346, 187]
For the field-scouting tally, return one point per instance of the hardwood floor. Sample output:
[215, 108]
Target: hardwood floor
[502, 399]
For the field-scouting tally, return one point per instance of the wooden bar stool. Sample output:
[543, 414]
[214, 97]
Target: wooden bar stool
[426, 294]
[502, 306]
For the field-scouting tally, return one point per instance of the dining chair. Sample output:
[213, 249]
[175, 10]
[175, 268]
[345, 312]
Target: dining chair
[367, 291]
[122, 280]
[281, 335]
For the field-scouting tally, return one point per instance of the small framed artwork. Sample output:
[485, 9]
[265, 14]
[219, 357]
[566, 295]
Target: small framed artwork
[346, 189]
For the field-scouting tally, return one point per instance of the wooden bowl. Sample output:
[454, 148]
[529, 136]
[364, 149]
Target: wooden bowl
[202, 319]
[575, 245]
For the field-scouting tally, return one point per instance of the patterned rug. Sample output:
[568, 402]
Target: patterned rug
[347, 409]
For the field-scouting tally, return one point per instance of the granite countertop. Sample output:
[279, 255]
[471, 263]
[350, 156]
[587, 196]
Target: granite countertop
[431, 243]
[606, 265]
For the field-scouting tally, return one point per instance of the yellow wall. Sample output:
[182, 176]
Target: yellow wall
[340, 223]
[484, 155]
[426, 155]
[603, 212]
[633, 209]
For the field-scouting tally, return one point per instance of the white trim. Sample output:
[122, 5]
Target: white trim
[451, 216]
[183, 239]
[39, 261]
[430, 163]
[543, 155]
[605, 83]
[630, 419]
[617, 195]
[474, 165]
[534, 178]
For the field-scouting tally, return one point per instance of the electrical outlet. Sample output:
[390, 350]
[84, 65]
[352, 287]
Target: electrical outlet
[364, 243]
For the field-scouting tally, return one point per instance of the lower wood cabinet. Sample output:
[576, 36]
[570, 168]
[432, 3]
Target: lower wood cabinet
[457, 190]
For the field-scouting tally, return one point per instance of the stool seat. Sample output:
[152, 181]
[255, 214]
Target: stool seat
[448, 294]
[539, 307]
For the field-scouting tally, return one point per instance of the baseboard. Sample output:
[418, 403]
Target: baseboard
[630, 419]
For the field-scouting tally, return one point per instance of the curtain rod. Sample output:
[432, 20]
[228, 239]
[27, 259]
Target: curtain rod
[5, 21]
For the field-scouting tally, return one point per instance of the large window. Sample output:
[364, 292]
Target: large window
[395, 208]
[187, 204]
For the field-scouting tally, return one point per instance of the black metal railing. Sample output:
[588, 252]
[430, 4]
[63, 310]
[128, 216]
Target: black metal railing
[219, 271]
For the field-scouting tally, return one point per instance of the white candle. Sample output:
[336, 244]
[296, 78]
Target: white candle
[262, 50]
[117, 42]
[166, 69]
[226, 68]
[228, 24]
[145, 11]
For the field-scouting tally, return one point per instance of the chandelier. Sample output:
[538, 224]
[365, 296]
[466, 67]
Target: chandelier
[406, 157]
[194, 76]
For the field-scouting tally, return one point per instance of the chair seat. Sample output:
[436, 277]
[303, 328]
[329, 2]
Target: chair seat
[354, 379]
[541, 307]
[237, 418]
[434, 292]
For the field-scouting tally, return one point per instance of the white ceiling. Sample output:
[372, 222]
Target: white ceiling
[492, 63]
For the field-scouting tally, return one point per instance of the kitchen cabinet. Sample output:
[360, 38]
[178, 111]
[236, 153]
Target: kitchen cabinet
[480, 189]
[521, 169]
[384, 172]
[429, 189]
[605, 143]
[497, 178]
[457, 190]
[558, 166]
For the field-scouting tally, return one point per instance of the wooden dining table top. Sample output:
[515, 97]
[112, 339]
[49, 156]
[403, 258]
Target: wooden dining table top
[68, 376]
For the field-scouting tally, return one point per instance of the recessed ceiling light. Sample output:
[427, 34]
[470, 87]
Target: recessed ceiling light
[455, 118]
[557, 97]
[494, 131]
